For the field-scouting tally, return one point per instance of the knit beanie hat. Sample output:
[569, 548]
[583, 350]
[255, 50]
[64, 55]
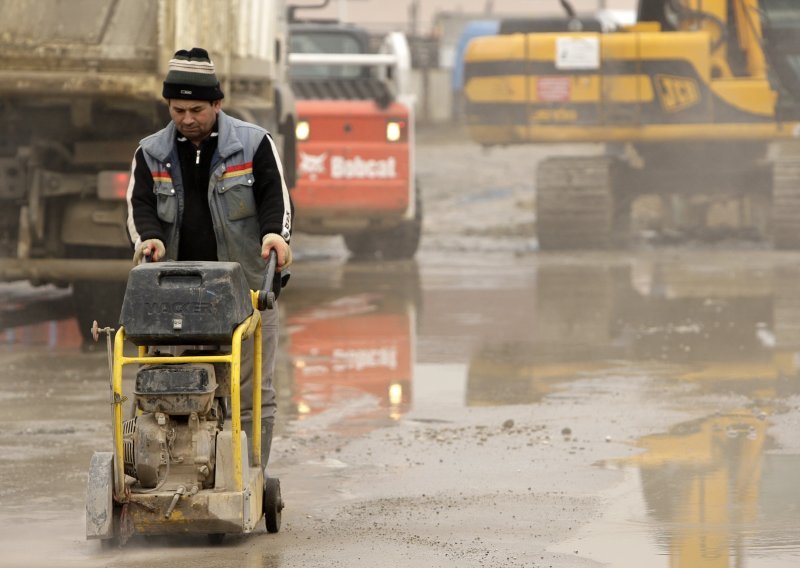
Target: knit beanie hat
[191, 76]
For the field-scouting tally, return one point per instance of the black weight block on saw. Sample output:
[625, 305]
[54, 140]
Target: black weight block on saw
[185, 303]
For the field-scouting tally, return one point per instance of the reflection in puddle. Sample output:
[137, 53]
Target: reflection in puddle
[724, 333]
[54, 334]
[708, 497]
[364, 331]
[349, 347]
[701, 484]
[37, 316]
[350, 339]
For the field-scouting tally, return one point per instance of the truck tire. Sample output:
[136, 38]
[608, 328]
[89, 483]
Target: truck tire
[575, 205]
[397, 243]
[99, 300]
[786, 203]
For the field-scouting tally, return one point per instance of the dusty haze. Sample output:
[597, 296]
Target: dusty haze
[381, 14]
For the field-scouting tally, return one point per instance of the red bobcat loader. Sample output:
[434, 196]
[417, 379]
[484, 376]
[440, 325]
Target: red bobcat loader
[355, 139]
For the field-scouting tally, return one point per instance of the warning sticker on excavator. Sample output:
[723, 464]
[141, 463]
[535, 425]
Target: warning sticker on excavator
[553, 89]
[577, 53]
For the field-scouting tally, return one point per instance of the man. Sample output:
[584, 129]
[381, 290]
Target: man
[210, 187]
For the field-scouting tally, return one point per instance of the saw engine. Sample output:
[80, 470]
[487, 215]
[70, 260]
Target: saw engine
[172, 440]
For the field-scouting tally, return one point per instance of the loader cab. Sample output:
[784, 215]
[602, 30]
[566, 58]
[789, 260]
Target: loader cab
[334, 82]
[321, 37]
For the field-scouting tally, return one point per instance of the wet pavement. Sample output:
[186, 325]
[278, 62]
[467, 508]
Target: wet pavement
[484, 405]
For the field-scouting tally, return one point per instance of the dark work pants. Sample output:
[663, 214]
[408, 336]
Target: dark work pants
[269, 348]
[269, 336]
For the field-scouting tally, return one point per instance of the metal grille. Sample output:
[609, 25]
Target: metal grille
[128, 430]
[361, 88]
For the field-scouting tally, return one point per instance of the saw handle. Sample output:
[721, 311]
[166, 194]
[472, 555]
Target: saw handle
[266, 297]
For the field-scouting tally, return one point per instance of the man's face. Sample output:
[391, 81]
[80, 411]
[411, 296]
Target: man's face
[194, 119]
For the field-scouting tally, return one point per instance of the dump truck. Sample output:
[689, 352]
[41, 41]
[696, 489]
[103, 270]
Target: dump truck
[697, 105]
[80, 85]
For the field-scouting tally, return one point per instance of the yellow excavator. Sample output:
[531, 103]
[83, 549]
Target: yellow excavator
[696, 103]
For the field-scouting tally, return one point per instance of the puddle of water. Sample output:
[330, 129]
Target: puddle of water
[347, 348]
[367, 332]
[376, 344]
[704, 495]
[438, 386]
[53, 334]
[36, 317]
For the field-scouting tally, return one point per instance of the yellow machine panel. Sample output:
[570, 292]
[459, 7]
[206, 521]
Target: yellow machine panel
[691, 85]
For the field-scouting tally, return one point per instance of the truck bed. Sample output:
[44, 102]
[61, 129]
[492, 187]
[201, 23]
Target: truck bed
[122, 47]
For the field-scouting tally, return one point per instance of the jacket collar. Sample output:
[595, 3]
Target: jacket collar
[228, 143]
[161, 144]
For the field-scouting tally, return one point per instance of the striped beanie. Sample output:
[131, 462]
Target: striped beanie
[191, 76]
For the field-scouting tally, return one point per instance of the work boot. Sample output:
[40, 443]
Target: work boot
[266, 440]
[266, 443]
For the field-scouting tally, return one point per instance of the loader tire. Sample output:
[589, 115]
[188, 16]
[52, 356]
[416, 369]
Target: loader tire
[99, 300]
[397, 243]
[786, 203]
[575, 206]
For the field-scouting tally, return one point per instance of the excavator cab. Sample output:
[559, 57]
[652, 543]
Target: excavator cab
[780, 22]
[735, 29]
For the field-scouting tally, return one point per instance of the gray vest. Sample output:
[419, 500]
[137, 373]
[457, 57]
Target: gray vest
[230, 193]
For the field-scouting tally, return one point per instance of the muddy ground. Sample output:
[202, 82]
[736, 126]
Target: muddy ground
[485, 405]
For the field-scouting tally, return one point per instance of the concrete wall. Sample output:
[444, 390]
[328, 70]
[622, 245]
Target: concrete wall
[434, 95]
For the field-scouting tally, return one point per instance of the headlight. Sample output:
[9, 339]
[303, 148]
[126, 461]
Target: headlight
[303, 130]
[395, 394]
[394, 130]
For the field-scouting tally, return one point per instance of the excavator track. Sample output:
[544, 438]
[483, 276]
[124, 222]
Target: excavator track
[575, 203]
[786, 202]
[786, 308]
